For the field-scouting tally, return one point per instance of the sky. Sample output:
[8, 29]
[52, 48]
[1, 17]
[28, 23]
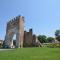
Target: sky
[43, 16]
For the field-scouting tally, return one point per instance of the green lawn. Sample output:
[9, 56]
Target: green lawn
[31, 54]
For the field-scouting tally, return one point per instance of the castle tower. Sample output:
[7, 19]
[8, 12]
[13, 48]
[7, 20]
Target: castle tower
[15, 26]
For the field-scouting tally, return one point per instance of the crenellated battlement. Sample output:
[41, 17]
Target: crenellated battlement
[15, 21]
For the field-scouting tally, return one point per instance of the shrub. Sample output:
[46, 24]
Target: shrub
[54, 45]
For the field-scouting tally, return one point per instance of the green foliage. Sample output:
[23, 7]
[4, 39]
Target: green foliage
[54, 45]
[50, 39]
[57, 35]
[42, 38]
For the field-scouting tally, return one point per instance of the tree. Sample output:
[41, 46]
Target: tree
[42, 38]
[50, 39]
[57, 35]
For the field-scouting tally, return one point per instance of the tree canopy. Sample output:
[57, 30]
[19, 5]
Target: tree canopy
[50, 39]
[42, 38]
[57, 35]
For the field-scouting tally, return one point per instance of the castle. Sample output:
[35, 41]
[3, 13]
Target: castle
[23, 38]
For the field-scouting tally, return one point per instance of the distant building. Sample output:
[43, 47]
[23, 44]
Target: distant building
[1, 43]
[55, 41]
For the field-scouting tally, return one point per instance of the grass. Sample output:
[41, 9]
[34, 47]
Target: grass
[31, 54]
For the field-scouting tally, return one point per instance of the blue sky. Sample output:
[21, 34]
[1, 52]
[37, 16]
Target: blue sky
[43, 16]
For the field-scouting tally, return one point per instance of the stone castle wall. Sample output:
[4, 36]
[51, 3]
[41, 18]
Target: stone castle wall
[28, 38]
[23, 38]
[15, 26]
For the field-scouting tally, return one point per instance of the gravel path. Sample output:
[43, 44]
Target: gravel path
[5, 49]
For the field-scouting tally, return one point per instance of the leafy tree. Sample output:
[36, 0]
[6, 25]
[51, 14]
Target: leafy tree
[42, 38]
[50, 39]
[57, 35]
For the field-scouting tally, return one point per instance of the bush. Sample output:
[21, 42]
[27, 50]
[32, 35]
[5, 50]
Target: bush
[54, 45]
